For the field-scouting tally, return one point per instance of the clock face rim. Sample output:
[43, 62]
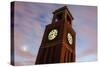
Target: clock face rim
[55, 33]
[69, 38]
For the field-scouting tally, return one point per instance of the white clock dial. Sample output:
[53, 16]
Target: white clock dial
[53, 33]
[70, 38]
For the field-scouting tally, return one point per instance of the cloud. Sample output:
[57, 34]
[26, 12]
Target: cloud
[23, 63]
[20, 52]
[86, 28]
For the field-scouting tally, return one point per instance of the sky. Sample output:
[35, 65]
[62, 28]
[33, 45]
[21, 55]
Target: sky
[30, 20]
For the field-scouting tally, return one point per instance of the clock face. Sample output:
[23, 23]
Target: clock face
[70, 38]
[52, 34]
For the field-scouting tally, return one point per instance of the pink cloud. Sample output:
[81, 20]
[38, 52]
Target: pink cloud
[88, 51]
[23, 63]
[90, 37]
[19, 51]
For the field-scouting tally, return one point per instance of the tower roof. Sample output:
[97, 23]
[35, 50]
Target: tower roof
[62, 9]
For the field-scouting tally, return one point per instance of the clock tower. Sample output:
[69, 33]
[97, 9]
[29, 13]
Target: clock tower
[58, 43]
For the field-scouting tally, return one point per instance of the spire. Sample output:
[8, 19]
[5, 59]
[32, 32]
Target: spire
[63, 9]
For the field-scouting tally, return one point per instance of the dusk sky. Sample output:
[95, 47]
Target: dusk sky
[31, 18]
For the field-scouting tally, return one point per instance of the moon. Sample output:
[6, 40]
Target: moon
[24, 48]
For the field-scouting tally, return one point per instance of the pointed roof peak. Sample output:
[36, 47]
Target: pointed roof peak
[62, 9]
